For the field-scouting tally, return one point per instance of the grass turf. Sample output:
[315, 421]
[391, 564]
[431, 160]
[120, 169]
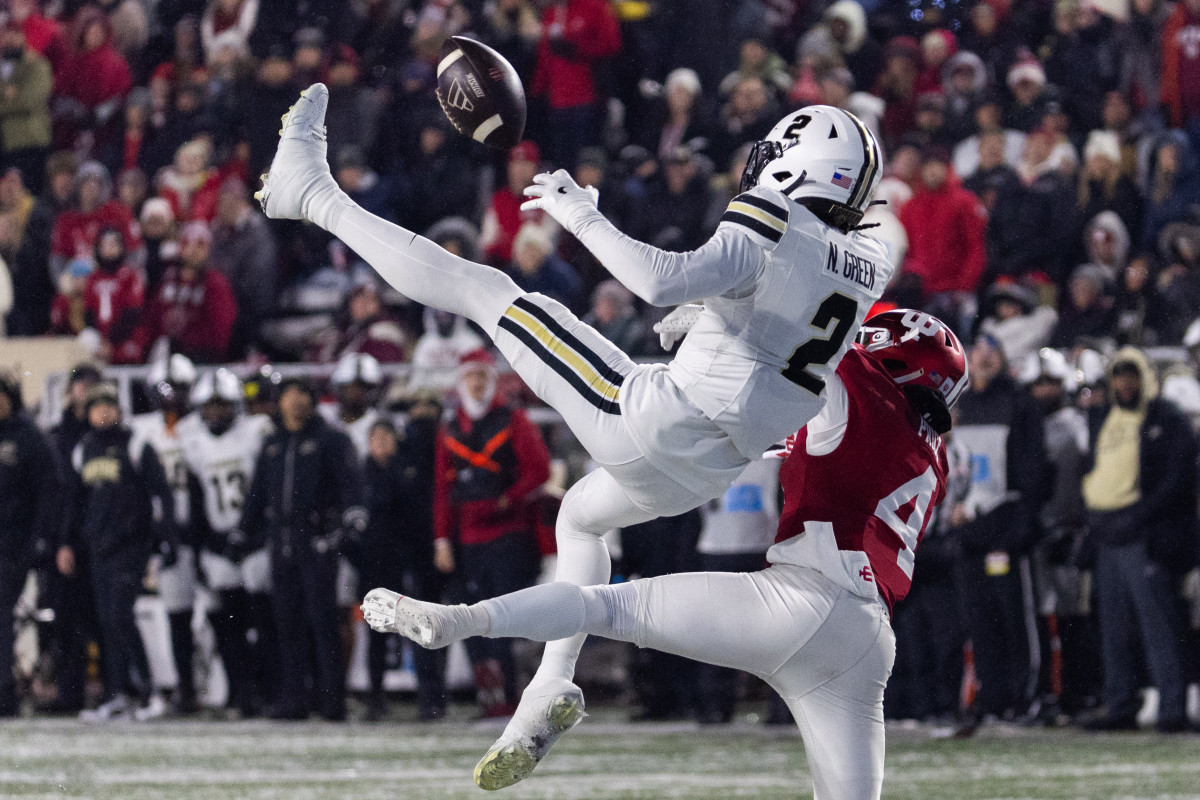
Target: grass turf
[603, 758]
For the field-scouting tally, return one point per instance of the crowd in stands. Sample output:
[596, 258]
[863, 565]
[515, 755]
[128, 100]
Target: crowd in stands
[1036, 150]
[1041, 190]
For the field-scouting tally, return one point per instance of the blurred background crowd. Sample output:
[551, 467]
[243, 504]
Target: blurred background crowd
[1042, 191]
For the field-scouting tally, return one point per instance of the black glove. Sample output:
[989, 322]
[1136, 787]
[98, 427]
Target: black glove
[563, 49]
[236, 546]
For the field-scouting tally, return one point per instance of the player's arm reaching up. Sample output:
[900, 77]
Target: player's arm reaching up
[662, 278]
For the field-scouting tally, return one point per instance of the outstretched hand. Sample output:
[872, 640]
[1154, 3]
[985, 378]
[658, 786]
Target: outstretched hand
[561, 197]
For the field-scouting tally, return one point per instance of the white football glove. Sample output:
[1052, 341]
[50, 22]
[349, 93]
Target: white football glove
[379, 610]
[674, 326]
[561, 197]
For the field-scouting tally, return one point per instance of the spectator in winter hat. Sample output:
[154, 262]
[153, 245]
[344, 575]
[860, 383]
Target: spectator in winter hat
[1102, 186]
[504, 216]
[846, 23]
[964, 79]
[194, 307]
[157, 222]
[1086, 317]
[1106, 244]
[1027, 82]
[936, 48]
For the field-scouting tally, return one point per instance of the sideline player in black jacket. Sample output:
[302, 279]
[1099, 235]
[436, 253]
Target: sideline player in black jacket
[305, 505]
[124, 509]
[29, 489]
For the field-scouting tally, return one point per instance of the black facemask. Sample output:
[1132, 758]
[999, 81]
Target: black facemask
[12, 53]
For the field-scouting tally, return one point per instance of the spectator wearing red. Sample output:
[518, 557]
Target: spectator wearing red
[187, 64]
[368, 328]
[1181, 63]
[897, 86]
[237, 16]
[95, 208]
[490, 460]
[113, 299]
[96, 77]
[194, 307]
[945, 226]
[41, 34]
[937, 47]
[504, 216]
[575, 35]
[189, 184]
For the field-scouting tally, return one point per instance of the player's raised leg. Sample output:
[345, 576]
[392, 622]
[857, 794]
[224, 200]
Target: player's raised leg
[299, 185]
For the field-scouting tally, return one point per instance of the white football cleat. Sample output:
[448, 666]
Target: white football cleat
[545, 713]
[431, 625]
[300, 169]
[155, 708]
[118, 708]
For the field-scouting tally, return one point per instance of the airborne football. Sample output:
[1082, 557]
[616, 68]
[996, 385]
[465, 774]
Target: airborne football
[481, 93]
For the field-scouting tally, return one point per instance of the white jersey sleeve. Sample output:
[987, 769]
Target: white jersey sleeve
[726, 262]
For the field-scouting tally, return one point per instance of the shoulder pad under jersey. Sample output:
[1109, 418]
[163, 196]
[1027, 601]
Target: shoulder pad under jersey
[761, 214]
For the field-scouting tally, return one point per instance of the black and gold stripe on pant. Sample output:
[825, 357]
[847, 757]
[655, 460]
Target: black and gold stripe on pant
[562, 351]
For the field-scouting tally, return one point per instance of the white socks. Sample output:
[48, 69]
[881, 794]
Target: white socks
[556, 611]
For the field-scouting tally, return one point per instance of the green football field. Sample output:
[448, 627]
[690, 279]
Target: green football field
[603, 758]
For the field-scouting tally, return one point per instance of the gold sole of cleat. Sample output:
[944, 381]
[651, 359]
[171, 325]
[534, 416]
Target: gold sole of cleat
[505, 766]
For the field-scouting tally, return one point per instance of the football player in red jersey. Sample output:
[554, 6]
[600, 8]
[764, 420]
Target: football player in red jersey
[859, 482]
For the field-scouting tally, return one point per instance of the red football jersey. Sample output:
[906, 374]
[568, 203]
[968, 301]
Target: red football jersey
[858, 510]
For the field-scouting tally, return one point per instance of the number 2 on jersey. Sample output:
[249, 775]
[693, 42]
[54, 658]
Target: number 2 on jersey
[838, 309]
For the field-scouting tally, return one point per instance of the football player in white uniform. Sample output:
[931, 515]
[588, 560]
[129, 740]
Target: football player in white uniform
[786, 281]
[165, 429]
[221, 454]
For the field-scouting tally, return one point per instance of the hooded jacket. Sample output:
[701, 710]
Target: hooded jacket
[1164, 515]
[1184, 190]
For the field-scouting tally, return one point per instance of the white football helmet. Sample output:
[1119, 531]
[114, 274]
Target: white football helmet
[357, 367]
[178, 369]
[823, 158]
[219, 384]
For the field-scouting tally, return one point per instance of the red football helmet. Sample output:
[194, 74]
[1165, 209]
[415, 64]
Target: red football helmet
[922, 355]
